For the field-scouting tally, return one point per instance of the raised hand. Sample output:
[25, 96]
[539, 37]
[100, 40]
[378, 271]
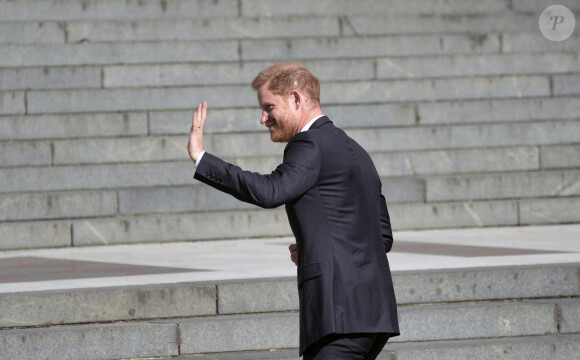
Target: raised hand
[195, 145]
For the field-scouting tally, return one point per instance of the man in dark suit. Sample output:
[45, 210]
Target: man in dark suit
[339, 217]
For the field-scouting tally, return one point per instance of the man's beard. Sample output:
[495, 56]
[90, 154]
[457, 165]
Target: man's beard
[280, 132]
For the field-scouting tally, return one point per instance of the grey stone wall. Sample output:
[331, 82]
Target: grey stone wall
[471, 115]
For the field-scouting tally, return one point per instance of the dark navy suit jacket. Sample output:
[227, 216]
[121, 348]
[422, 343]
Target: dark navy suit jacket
[339, 218]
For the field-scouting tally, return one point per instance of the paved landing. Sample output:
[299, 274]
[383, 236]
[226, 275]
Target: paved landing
[89, 267]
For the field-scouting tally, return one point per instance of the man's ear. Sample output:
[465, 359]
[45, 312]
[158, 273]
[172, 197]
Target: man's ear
[298, 99]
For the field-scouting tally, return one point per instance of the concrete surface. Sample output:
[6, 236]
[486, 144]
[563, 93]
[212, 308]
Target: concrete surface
[269, 257]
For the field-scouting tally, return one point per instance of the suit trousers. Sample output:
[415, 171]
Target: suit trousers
[347, 347]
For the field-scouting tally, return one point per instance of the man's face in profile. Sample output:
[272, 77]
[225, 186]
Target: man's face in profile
[278, 114]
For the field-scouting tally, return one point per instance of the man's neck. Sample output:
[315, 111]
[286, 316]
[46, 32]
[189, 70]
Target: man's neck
[309, 124]
[315, 113]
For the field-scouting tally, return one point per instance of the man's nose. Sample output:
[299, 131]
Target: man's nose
[264, 118]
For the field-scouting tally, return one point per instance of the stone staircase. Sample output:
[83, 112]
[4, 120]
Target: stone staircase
[518, 312]
[470, 114]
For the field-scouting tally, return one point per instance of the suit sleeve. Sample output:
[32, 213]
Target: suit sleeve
[386, 231]
[297, 173]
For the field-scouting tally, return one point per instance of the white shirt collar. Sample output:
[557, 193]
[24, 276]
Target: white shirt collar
[309, 124]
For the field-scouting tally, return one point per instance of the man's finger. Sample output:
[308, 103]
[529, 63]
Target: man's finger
[197, 117]
[195, 144]
[203, 112]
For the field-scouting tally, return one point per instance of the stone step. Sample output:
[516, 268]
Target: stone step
[143, 229]
[32, 32]
[248, 355]
[559, 347]
[203, 29]
[477, 65]
[47, 205]
[146, 302]
[235, 224]
[348, 116]
[381, 68]
[55, 77]
[12, 103]
[367, 7]
[68, 165]
[415, 216]
[101, 305]
[117, 53]
[78, 54]
[465, 137]
[33, 235]
[566, 85]
[102, 341]
[389, 164]
[55, 10]
[247, 119]
[391, 115]
[436, 90]
[265, 156]
[337, 70]
[97, 27]
[509, 111]
[364, 91]
[172, 174]
[452, 89]
[484, 320]
[503, 186]
[19, 55]
[417, 183]
[199, 335]
[370, 46]
[62, 10]
[97, 177]
[531, 42]
[268, 27]
[537, 6]
[474, 23]
[74, 126]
